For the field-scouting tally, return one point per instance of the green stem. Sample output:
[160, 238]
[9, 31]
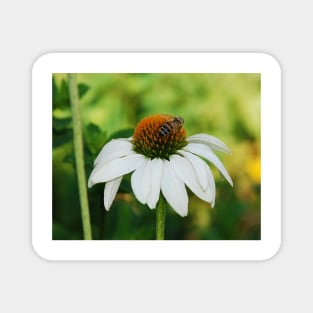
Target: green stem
[79, 155]
[160, 219]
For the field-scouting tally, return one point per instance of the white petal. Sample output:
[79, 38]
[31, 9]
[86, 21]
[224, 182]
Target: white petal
[200, 168]
[110, 191]
[174, 190]
[211, 185]
[113, 169]
[140, 181]
[114, 149]
[156, 176]
[203, 173]
[184, 170]
[208, 154]
[211, 141]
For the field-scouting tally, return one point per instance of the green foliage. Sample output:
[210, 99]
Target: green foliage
[224, 105]
[123, 133]
[94, 138]
[61, 98]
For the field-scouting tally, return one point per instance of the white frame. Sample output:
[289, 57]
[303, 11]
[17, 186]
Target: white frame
[261, 63]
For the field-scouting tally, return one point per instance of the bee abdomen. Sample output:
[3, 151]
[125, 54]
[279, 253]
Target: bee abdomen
[165, 129]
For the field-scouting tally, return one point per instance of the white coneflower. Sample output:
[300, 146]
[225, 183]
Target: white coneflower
[162, 159]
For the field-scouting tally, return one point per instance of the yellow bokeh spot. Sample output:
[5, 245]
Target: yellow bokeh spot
[253, 168]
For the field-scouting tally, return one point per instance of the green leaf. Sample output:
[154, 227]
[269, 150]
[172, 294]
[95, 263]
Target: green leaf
[82, 89]
[123, 133]
[93, 129]
[95, 138]
[60, 96]
[63, 138]
[54, 88]
[89, 160]
[61, 124]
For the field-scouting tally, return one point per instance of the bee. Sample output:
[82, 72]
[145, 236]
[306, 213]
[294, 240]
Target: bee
[172, 125]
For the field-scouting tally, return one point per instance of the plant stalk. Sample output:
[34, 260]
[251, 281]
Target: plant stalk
[160, 219]
[79, 155]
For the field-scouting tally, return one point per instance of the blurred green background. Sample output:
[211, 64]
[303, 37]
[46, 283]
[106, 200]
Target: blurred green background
[224, 105]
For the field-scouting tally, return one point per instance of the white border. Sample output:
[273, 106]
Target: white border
[261, 63]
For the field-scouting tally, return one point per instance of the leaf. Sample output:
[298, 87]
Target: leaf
[60, 95]
[89, 159]
[93, 129]
[61, 124]
[95, 138]
[59, 139]
[82, 89]
[54, 88]
[123, 133]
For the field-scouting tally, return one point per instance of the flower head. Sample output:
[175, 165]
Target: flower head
[162, 159]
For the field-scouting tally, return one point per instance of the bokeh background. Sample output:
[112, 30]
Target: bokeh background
[224, 105]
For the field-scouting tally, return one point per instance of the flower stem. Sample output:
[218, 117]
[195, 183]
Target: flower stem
[160, 219]
[79, 155]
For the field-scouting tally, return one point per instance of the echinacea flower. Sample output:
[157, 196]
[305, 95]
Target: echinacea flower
[162, 159]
